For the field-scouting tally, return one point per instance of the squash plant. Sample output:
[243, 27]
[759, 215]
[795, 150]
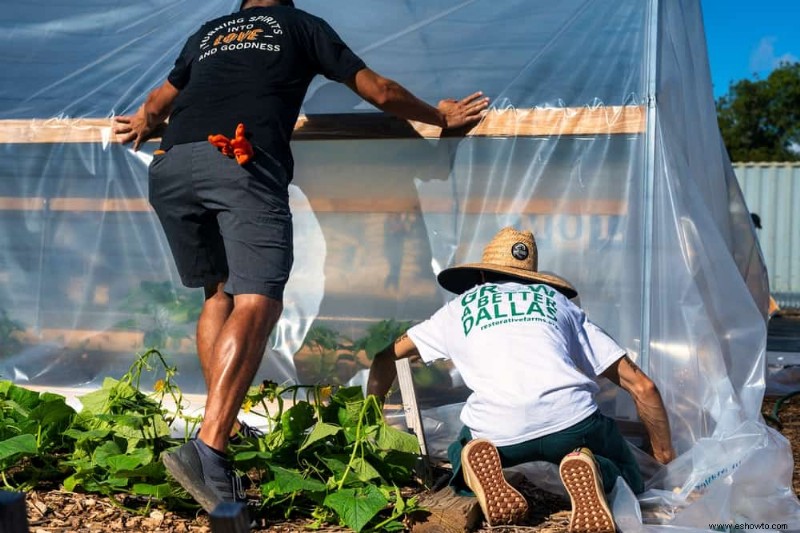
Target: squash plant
[332, 457]
[328, 454]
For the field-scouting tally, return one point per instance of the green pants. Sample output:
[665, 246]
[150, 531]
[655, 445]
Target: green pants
[596, 432]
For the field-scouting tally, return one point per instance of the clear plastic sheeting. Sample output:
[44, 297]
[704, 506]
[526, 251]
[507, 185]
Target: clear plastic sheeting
[602, 139]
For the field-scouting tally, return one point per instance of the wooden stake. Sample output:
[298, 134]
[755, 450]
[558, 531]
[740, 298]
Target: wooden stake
[413, 418]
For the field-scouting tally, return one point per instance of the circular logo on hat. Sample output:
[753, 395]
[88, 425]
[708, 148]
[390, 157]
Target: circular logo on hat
[520, 251]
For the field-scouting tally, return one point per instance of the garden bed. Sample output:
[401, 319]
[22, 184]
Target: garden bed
[51, 509]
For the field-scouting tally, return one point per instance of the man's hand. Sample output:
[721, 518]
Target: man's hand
[133, 128]
[465, 112]
[665, 456]
[148, 121]
[391, 97]
[382, 371]
[649, 405]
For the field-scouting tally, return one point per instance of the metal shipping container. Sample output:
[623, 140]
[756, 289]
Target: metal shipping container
[772, 190]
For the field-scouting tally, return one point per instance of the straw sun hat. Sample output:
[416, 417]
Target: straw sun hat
[511, 253]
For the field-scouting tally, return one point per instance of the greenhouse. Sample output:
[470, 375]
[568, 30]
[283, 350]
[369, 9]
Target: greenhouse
[601, 138]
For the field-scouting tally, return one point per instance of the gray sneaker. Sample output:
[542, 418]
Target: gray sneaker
[208, 477]
[246, 431]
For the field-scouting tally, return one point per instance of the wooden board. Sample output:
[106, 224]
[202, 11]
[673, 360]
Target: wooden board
[342, 205]
[446, 512]
[538, 122]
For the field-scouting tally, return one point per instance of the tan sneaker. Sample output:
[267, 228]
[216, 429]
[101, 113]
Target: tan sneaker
[590, 512]
[483, 473]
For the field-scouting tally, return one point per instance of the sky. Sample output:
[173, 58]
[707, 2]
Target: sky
[748, 37]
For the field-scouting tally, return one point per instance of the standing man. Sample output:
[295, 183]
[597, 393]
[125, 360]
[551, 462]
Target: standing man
[530, 357]
[242, 78]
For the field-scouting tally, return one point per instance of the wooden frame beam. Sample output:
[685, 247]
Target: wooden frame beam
[536, 206]
[537, 122]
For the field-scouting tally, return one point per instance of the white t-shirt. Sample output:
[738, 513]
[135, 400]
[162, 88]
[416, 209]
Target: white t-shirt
[526, 352]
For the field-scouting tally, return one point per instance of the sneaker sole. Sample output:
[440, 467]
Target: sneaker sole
[483, 473]
[590, 513]
[193, 483]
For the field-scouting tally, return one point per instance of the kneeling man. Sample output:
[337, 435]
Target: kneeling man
[530, 357]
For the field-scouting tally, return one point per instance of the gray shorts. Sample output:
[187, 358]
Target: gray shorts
[223, 221]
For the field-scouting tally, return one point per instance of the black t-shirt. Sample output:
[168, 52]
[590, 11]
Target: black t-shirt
[254, 67]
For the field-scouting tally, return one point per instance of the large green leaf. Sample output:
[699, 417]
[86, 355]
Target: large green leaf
[129, 421]
[364, 470]
[16, 411]
[115, 482]
[323, 337]
[320, 432]
[51, 397]
[287, 481]
[397, 467]
[71, 482]
[390, 438]
[19, 444]
[350, 413]
[84, 436]
[275, 440]
[17, 418]
[356, 507]
[104, 451]
[160, 491]
[53, 411]
[345, 395]
[25, 398]
[337, 464]
[128, 461]
[96, 402]
[157, 428]
[150, 471]
[251, 454]
[296, 420]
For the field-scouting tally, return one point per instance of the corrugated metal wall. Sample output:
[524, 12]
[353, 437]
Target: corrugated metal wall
[772, 190]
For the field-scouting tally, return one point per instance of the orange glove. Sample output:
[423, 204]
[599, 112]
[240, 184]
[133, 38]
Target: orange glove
[242, 149]
[223, 143]
[238, 147]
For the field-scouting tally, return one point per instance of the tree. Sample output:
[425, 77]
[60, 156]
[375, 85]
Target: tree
[760, 119]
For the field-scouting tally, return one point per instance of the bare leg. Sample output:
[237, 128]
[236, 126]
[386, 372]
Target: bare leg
[216, 310]
[235, 359]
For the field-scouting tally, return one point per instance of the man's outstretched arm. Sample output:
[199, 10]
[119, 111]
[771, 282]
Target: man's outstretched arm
[383, 371]
[649, 405]
[155, 110]
[391, 97]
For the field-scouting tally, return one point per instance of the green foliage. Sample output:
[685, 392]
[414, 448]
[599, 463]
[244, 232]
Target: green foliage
[379, 336]
[9, 331]
[121, 432]
[329, 454]
[333, 456]
[329, 349]
[760, 119]
[163, 313]
[31, 427]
